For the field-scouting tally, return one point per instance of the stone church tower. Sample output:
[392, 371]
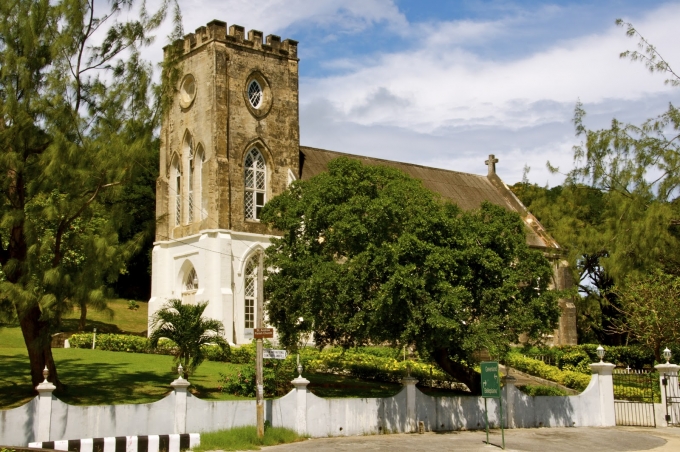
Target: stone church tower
[230, 143]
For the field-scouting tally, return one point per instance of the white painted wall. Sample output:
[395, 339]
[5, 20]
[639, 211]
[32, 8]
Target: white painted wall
[317, 417]
[219, 258]
[19, 426]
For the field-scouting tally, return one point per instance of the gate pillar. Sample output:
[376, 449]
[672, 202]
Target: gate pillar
[670, 393]
[605, 386]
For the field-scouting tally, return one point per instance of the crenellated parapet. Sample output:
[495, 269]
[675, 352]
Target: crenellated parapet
[216, 30]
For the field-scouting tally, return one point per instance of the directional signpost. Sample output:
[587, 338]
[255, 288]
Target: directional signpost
[491, 388]
[270, 353]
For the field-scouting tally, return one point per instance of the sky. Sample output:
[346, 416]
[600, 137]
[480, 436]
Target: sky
[446, 83]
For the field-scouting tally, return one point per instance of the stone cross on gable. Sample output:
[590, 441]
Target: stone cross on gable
[492, 164]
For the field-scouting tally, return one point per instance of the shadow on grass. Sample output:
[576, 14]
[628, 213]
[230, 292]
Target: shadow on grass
[330, 385]
[15, 380]
[71, 325]
[110, 383]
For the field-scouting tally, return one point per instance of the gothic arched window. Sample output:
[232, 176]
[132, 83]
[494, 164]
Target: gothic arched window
[255, 176]
[176, 192]
[200, 201]
[190, 287]
[250, 281]
[192, 169]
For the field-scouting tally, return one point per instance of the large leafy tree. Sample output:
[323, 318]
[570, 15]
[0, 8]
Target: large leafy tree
[651, 313]
[77, 112]
[368, 255]
[185, 325]
[618, 211]
[575, 214]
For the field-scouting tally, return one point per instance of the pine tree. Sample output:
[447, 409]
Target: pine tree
[78, 110]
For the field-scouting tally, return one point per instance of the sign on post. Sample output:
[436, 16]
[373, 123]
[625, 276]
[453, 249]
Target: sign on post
[491, 389]
[270, 353]
[491, 383]
[263, 333]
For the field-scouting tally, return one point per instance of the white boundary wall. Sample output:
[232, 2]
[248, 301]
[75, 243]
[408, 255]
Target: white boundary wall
[180, 412]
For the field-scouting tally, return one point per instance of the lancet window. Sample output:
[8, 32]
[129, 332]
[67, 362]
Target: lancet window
[250, 292]
[255, 184]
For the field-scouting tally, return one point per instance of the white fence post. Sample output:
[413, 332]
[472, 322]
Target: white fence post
[180, 386]
[665, 371]
[44, 407]
[510, 390]
[605, 388]
[411, 421]
[300, 384]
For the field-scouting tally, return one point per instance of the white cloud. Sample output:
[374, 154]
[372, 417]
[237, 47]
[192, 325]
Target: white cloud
[441, 104]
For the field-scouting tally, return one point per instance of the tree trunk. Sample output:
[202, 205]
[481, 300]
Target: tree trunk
[83, 316]
[39, 345]
[458, 371]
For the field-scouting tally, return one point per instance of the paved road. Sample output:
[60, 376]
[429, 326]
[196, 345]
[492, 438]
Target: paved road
[531, 440]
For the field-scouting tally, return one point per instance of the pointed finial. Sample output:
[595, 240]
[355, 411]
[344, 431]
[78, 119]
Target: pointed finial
[180, 371]
[46, 373]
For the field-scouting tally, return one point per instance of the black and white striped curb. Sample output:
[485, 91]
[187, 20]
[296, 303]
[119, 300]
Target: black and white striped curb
[150, 443]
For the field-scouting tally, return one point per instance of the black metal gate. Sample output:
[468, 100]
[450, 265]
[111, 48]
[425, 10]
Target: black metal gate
[634, 394]
[671, 388]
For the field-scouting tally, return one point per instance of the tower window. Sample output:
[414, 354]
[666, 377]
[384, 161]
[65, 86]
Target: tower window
[191, 185]
[255, 94]
[255, 186]
[178, 195]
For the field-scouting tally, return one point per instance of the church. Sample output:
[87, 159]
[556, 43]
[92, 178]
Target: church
[230, 143]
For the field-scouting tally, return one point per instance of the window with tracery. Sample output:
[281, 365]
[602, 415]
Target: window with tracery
[178, 194]
[201, 201]
[250, 293]
[255, 94]
[190, 287]
[191, 281]
[255, 177]
[192, 168]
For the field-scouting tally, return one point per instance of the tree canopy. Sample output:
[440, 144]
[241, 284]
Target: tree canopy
[618, 210]
[368, 255]
[78, 111]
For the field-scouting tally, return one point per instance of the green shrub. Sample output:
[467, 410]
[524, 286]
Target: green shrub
[578, 357]
[276, 373]
[541, 390]
[570, 379]
[358, 364]
[138, 344]
[216, 353]
[245, 354]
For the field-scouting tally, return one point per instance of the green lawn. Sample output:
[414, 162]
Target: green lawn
[99, 377]
[118, 318]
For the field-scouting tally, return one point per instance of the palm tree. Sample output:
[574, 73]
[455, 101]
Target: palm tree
[185, 325]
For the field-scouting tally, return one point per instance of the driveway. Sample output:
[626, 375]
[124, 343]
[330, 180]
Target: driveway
[538, 440]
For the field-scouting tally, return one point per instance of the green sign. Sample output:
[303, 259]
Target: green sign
[491, 382]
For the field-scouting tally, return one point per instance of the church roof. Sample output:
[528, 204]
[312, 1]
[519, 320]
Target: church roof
[466, 190]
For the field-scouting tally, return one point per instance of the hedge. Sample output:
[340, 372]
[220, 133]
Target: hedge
[137, 344]
[372, 367]
[578, 357]
[568, 378]
[541, 390]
